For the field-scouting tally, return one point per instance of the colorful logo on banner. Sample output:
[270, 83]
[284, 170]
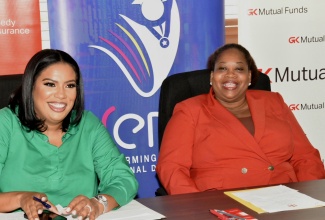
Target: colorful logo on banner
[126, 49]
[157, 38]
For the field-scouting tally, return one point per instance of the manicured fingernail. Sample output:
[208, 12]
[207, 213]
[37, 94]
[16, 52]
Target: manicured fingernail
[80, 218]
[74, 212]
[67, 209]
[39, 211]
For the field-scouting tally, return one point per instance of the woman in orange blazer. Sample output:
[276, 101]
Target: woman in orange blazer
[233, 137]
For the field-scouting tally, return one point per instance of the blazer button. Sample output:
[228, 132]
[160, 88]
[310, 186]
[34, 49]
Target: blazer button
[270, 168]
[244, 170]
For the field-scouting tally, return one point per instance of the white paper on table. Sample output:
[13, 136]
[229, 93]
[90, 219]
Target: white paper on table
[278, 198]
[132, 211]
[12, 216]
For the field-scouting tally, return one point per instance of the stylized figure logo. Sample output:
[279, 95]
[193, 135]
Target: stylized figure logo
[155, 54]
[161, 31]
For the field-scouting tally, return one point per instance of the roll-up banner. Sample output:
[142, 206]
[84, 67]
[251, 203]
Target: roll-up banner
[287, 40]
[125, 49]
[20, 34]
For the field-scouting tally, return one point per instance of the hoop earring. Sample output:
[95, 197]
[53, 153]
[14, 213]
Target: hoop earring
[210, 83]
[249, 84]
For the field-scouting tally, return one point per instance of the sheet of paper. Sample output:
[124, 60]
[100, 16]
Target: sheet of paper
[132, 211]
[12, 216]
[275, 199]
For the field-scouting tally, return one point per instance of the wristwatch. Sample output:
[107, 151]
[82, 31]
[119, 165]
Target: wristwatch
[102, 200]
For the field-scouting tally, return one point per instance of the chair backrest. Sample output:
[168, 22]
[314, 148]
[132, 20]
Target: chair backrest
[178, 87]
[8, 84]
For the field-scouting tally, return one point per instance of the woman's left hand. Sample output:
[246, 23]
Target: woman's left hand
[83, 207]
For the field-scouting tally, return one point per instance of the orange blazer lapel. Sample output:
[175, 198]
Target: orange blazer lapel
[233, 125]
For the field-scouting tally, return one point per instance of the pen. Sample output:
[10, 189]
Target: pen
[230, 215]
[46, 205]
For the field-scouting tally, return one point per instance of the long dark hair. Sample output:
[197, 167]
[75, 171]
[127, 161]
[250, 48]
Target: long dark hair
[22, 98]
[249, 59]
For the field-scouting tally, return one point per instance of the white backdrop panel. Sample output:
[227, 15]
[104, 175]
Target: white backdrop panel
[287, 41]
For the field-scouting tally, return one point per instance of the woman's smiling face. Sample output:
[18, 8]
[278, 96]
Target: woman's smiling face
[231, 76]
[54, 93]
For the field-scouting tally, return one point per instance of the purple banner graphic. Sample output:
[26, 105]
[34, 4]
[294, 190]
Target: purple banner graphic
[126, 49]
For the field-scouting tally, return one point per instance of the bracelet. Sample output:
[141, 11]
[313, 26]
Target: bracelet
[102, 200]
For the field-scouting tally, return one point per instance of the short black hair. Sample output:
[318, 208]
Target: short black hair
[213, 58]
[23, 96]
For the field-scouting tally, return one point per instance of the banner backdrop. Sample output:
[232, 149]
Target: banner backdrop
[20, 34]
[126, 48]
[287, 41]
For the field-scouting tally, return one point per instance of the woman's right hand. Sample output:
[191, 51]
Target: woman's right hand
[33, 208]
